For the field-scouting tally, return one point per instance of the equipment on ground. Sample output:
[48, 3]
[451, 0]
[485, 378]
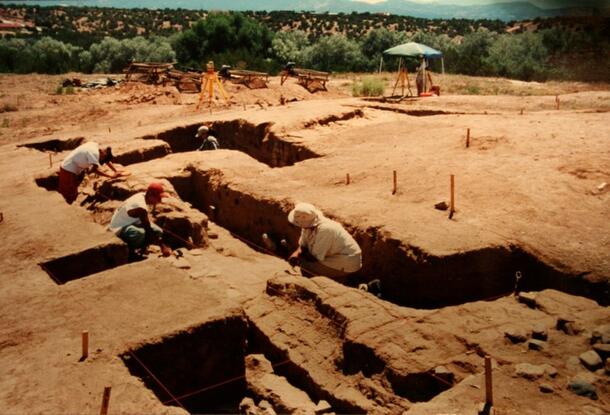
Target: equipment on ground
[208, 81]
[305, 77]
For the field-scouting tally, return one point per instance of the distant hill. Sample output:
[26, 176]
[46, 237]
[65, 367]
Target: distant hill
[504, 11]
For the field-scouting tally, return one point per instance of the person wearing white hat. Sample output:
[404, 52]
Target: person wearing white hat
[325, 247]
[209, 141]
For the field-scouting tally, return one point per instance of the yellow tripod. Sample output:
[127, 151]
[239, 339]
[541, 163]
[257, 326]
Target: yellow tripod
[208, 80]
[403, 77]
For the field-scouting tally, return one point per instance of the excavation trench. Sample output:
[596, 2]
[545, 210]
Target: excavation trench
[85, 263]
[256, 140]
[409, 276]
[203, 367]
[56, 145]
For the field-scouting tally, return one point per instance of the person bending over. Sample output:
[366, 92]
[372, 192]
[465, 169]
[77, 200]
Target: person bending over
[325, 247]
[88, 156]
[132, 223]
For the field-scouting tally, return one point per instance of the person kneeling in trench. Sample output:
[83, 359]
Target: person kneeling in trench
[133, 225]
[325, 247]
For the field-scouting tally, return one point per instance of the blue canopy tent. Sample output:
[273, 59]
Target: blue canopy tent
[412, 50]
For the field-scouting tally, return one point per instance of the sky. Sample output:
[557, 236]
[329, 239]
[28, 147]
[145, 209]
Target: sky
[539, 3]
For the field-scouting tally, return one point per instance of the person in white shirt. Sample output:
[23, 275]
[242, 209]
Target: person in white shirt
[82, 158]
[132, 224]
[325, 247]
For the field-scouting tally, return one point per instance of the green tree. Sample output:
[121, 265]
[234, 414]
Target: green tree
[473, 51]
[289, 46]
[53, 56]
[521, 56]
[335, 53]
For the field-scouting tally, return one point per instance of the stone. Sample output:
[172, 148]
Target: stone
[601, 334]
[591, 360]
[248, 407]
[546, 388]
[264, 384]
[539, 332]
[515, 335]
[568, 326]
[551, 371]
[603, 350]
[582, 386]
[536, 344]
[267, 408]
[528, 298]
[323, 407]
[529, 371]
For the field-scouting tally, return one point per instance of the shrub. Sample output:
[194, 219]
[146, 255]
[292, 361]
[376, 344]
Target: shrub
[368, 87]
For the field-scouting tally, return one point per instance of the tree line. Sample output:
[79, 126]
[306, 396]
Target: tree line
[241, 41]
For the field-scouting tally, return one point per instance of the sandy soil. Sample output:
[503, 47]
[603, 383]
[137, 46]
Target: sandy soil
[532, 195]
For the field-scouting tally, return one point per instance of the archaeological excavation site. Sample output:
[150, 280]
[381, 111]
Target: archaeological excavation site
[483, 221]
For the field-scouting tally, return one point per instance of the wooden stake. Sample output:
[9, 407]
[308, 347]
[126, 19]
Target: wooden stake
[85, 336]
[521, 111]
[347, 178]
[452, 199]
[394, 180]
[105, 400]
[489, 399]
[557, 101]
[467, 137]
[50, 160]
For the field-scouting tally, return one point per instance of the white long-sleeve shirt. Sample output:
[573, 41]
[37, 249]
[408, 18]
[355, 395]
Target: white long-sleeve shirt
[332, 245]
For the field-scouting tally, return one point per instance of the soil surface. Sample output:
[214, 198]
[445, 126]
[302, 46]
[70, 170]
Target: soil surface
[519, 273]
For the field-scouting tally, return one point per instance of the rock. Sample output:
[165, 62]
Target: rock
[539, 332]
[267, 408]
[248, 407]
[276, 390]
[515, 335]
[546, 388]
[569, 327]
[601, 334]
[550, 370]
[582, 386]
[323, 407]
[603, 350]
[528, 298]
[591, 360]
[607, 366]
[441, 206]
[529, 371]
[536, 344]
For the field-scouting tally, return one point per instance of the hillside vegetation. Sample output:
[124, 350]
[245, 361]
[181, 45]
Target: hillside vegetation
[60, 39]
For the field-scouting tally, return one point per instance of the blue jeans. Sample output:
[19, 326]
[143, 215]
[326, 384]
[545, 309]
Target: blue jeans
[135, 236]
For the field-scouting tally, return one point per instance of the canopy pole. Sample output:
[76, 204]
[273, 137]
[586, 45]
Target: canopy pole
[443, 65]
[380, 63]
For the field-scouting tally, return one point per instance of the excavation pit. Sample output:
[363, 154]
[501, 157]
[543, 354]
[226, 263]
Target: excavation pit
[256, 140]
[202, 367]
[55, 145]
[409, 276]
[85, 263]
